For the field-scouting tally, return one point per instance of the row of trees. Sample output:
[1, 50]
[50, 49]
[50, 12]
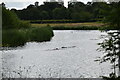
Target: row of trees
[56, 11]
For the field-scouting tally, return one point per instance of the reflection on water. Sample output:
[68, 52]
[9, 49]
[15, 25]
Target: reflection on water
[70, 54]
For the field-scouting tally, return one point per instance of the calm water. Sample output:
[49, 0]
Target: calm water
[68, 54]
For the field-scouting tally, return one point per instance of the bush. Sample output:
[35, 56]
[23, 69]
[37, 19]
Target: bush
[40, 34]
[13, 38]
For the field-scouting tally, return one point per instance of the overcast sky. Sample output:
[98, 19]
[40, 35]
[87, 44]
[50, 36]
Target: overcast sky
[20, 4]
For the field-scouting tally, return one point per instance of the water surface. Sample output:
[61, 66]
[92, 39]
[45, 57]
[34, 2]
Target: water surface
[70, 54]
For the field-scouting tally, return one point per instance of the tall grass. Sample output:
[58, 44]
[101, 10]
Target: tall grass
[13, 37]
[40, 34]
[18, 37]
[24, 25]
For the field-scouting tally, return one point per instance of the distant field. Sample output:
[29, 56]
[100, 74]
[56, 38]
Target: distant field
[95, 24]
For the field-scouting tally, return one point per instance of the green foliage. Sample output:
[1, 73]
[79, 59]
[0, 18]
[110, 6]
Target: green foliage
[53, 21]
[60, 13]
[44, 15]
[24, 24]
[98, 8]
[17, 33]
[111, 44]
[40, 34]
[82, 16]
[75, 11]
[75, 28]
[113, 16]
[9, 19]
[18, 37]
[13, 38]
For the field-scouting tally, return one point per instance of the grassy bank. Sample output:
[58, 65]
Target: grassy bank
[18, 37]
[16, 32]
[12, 38]
[58, 21]
[73, 26]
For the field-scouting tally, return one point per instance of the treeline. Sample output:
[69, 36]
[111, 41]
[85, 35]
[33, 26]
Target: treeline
[76, 11]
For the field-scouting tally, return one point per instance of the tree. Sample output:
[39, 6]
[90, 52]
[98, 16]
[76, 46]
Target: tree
[30, 6]
[81, 16]
[29, 14]
[111, 46]
[98, 8]
[44, 15]
[9, 19]
[52, 5]
[60, 13]
[113, 16]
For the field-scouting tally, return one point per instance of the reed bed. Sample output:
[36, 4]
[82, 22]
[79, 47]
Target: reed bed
[18, 37]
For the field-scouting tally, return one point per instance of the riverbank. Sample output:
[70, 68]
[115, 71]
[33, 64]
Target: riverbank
[16, 32]
[74, 26]
[18, 37]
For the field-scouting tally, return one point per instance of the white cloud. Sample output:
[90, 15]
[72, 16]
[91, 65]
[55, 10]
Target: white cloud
[20, 4]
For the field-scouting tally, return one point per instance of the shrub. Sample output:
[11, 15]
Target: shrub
[40, 34]
[13, 38]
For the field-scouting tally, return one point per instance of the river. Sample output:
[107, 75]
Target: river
[70, 54]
